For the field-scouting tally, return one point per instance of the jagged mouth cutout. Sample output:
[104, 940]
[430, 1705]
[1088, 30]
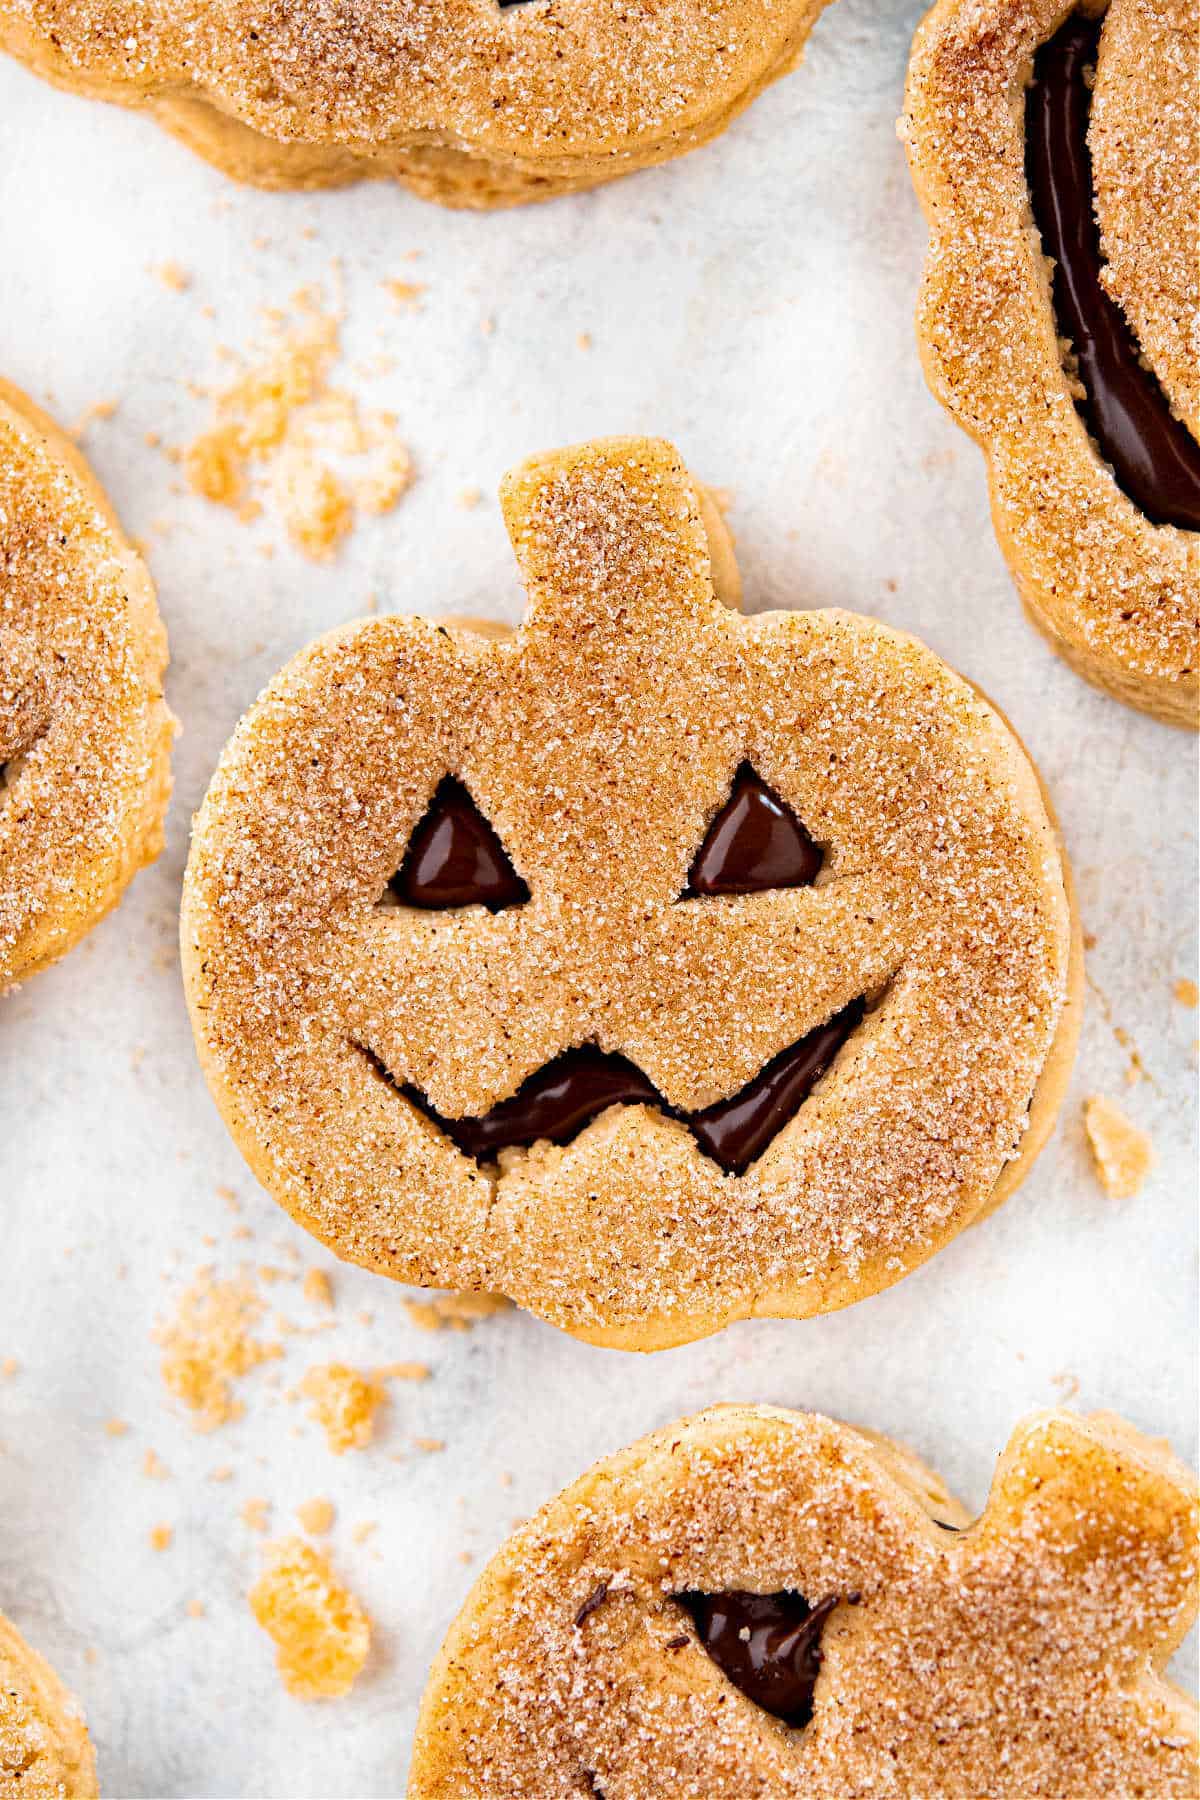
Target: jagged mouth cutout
[754, 843]
[1154, 457]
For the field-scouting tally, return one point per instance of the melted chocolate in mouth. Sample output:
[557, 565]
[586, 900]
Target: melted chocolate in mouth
[1154, 456]
[768, 1645]
[560, 1099]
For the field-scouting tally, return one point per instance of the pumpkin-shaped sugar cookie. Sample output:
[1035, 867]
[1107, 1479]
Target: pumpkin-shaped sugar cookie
[45, 1752]
[655, 965]
[470, 102]
[1057, 154]
[85, 734]
[755, 1604]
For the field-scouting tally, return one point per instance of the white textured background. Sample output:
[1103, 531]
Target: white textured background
[754, 302]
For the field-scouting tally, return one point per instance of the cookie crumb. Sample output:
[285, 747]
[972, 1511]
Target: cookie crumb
[404, 1371]
[344, 1403]
[362, 1531]
[91, 415]
[8, 1367]
[1123, 1153]
[173, 276]
[429, 1445]
[584, 340]
[1186, 992]
[406, 295]
[161, 1537]
[256, 1513]
[454, 1312]
[154, 1467]
[321, 1633]
[195, 1609]
[317, 1288]
[116, 1427]
[469, 498]
[284, 417]
[316, 1516]
[210, 1344]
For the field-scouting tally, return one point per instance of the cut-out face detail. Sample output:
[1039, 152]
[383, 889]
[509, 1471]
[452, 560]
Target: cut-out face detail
[472, 102]
[560, 1100]
[638, 1111]
[755, 842]
[768, 1645]
[454, 858]
[1068, 351]
[652, 1624]
[1156, 459]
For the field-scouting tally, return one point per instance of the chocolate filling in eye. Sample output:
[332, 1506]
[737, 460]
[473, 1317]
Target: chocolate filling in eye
[768, 1645]
[454, 858]
[564, 1096]
[754, 843]
[1154, 457]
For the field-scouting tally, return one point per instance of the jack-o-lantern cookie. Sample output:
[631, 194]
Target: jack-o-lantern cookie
[1057, 156]
[762, 1604]
[470, 102]
[655, 965]
[45, 1752]
[85, 735]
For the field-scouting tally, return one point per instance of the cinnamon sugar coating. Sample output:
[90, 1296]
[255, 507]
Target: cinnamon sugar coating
[1019, 1658]
[599, 740]
[45, 1752]
[85, 733]
[1117, 596]
[466, 101]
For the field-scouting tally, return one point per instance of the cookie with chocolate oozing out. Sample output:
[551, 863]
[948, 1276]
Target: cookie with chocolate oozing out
[85, 734]
[476, 103]
[652, 964]
[1055, 153]
[45, 1751]
[755, 1604]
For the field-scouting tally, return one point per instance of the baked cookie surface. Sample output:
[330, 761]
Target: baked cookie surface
[45, 1752]
[654, 965]
[753, 1602]
[1057, 157]
[470, 102]
[85, 734]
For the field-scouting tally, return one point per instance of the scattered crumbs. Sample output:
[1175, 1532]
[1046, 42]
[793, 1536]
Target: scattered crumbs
[321, 1633]
[242, 1232]
[584, 340]
[152, 439]
[506, 1479]
[256, 1512]
[403, 1371]
[154, 1467]
[317, 1288]
[223, 1472]
[1066, 1383]
[91, 1655]
[195, 1609]
[366, 1317]
[210, 1344]
[1122, 1152]
[229, 1196]
[161, 1537]
[116, 1427]
[469, 497]
[173, 276]
[1090, 940]
[1186, 992]
[362, 1531]
[454, 1312]
[8, 1367]
[344, 1403]
[282, 415]
[316, 1516]
[406, 295]
[91, 415]
[487, 326]
[429, 1445]
[465, 1556]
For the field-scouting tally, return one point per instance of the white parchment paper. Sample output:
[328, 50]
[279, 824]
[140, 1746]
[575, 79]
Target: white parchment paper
[754, 303]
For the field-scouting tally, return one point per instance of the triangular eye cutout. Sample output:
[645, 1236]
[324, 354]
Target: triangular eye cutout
[454, 858]
[754, 843]
[768, 1645]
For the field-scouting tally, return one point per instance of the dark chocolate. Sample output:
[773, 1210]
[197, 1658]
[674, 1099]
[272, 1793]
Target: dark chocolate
[558, 1100]
[454, 858]
[768, 1645]
[1153, 455]
[754, 843]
